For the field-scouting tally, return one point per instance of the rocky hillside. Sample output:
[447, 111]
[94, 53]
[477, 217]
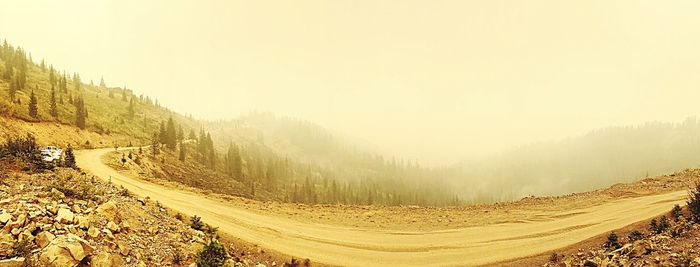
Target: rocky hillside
[67, 218]
[672, 239]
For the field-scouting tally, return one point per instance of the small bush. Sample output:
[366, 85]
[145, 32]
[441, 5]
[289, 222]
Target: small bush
[21, 249]
[177, 256]
[677, 212]
[297, 263]
[212, 255]
[554, 257]
[660, 225]
[196, 223]
[612, 242]
[694, 203]
[69, 158]
[635, 235]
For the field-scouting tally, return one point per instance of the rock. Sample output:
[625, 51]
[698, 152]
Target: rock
[108, 233]
[65, 251]
[640, 248]
[84, 222]
[93, 232]
[44, 238]
[109, 210]
[76, 209]
[53, 209]
[5, 249]
[14, 262]
[124, 248]
[697, 261]
[125, 225]
[106, 259]
[141, 264]
[57, 194]
[113, 227]
[64, 216]
[260, 265]
[5, 217]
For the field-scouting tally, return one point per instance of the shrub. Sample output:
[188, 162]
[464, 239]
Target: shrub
[212, 255]
[22, 249]
[177, 256]
[612, 242]
[69, 158]
[196, 223]
[635, 235]
[677, 212]
[297, 263]
[694, 203]
[653, 225]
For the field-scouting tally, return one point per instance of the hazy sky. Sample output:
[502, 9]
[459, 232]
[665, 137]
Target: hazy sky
[432, 80]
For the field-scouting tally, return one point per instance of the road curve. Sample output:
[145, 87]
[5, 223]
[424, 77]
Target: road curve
[346, 246]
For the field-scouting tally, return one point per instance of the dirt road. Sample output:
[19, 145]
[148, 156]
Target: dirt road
[341, 245]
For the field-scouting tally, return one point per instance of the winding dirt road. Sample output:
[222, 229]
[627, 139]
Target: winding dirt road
[340, 245]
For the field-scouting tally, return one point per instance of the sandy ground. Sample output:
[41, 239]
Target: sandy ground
[420, 236]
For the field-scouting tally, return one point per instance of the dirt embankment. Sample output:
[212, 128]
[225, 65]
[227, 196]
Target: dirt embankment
[52, 133]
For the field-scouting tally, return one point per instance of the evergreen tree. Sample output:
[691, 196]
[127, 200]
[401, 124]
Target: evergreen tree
[182, 152]
[131, 112]
[102, 82]
[234, 162]
[12, 90]
[124, 94]
[171, 134]
[76, 82]
[54, 109]
[80, 113]
[155, 144]
[33, 109]
[162, 134]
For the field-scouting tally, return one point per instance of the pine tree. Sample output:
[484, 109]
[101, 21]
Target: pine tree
[80, 113]
[54, 109]
[155, 144]
[131, 111]
[162, 135]
[182, 152]
[33, 109]
[102, 82]
[171, 134]
[76, 82]
[12, 90]
[124, 94]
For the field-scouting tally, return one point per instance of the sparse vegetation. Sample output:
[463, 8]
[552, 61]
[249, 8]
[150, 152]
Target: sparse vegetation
[196, 223]
[635, 235]
[612, 242]
[212, 255]
[694, 203]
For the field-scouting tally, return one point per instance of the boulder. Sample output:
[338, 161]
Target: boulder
[5, 248]
[5, 217]
[124, 248]
[640, 248]
[14, 262]
[65, 251]
[109, 210]
[93, 232]
[106, 259]
[64, 216]
[44, 238]
[113, 227]
[57, 194]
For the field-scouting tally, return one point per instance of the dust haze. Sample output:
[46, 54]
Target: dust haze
[546, 97]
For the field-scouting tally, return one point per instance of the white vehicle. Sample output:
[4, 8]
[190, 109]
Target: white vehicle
[51, 153]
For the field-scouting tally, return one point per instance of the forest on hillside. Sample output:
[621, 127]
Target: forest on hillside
[295, 160]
